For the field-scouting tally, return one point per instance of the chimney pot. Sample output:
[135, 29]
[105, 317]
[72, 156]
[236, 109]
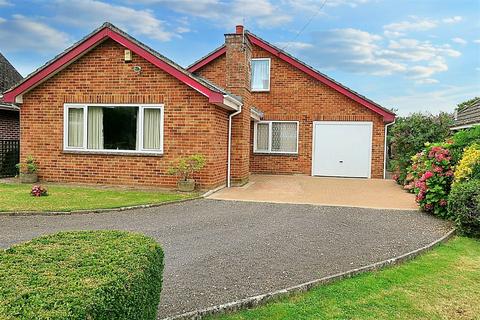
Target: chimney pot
[239, 29]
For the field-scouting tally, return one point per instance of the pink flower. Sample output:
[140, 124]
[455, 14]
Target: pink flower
[437, 169]
[449, 173]
[427, 175]
[442, 202]
[428, 206]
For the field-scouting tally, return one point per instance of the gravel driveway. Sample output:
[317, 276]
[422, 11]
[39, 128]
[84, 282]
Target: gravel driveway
[220, 251]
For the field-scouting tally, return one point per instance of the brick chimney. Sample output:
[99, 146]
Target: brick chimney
[238, 75]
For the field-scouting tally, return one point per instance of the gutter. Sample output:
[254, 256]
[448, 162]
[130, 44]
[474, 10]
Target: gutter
[385, 149]
[230, 144]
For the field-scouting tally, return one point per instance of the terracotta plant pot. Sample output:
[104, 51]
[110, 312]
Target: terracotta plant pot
[186, 185]
[28, 177]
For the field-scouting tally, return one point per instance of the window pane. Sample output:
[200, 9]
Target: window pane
[75, 128]
[120, 128]
[151, 129]
[284, 136]
[95, 128]
[260, 74]
[262, 137]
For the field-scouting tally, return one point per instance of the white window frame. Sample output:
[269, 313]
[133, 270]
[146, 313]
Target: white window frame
[270, 151]
[269, 74]
[84, 106]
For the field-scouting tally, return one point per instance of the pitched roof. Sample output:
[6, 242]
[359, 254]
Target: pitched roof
[388, 115]
[468, 116]
[8, 77]
[215, 94]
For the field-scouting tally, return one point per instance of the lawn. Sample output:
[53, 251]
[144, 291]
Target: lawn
[16, 197]
[442, 284]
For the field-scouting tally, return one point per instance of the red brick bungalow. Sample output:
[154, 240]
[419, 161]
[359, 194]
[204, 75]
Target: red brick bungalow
[111, 110]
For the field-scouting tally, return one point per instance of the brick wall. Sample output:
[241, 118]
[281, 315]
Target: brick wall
[191, 124]
[9, 125]
[296, 96]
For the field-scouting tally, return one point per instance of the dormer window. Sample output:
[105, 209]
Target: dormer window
[261, 74]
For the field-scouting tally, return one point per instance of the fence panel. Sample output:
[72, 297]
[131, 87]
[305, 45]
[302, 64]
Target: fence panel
[9, 157]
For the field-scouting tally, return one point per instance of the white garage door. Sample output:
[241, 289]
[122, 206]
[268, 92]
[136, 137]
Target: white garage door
[342, 149]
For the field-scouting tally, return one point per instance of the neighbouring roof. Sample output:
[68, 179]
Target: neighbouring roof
[8, 77]
[387, 114]
[468, 116]
[215, 94]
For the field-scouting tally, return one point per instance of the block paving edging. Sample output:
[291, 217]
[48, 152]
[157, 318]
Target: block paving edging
[262, 299]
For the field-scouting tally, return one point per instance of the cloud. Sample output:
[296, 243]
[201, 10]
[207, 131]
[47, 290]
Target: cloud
[5, 3]
[414, 24]
[451, 20]
[92, 13]
[23, 34]
[293, 45]
[312, 5]
[426, 81]
[444, 99]
[459, 41]
[477, 41]
[358, 51]
[263, 13]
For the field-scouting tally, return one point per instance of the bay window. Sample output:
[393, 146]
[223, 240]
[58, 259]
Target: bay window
[276, 137]
[261, 74]
[113, 128]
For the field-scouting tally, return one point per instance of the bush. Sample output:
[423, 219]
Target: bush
[82, 275]
[461, 140]
[430, 178]
[469, 166]
[409, 135]
[464, 206]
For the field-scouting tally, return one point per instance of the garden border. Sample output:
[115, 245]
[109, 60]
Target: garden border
[262, 299]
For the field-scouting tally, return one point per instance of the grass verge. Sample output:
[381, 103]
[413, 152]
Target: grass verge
[442, 284]
[17, 198]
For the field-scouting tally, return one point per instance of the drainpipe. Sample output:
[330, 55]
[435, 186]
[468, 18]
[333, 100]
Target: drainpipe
[385, 149]
[230, 143]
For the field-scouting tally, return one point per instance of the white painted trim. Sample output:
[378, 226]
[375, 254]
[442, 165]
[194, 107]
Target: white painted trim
[269, 74]
[141, 110]
[465, 126]
[343, 123]
[269, 151]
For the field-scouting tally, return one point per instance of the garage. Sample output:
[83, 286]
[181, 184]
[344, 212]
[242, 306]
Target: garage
[342, 149]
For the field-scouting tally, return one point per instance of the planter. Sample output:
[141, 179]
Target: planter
[28, 177]
[186, 185]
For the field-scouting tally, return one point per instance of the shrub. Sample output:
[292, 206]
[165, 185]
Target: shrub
[82, 275]
[29, 166]
[39, 191]
[409, 134]
[461, 140]
[464, 206]
[186, 166]
[469, 166]
[430, 178]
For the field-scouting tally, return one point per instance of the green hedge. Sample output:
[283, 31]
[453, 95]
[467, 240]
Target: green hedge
[464, 207]
[82, 275]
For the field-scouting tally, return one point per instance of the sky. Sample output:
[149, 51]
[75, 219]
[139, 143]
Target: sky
[420, 55]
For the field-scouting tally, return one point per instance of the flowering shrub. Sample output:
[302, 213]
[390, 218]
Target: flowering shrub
[430, 177]
[39, 191]
[469, 166]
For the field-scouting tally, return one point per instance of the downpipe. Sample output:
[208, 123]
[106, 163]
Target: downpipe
[385, 149]
[230, 119]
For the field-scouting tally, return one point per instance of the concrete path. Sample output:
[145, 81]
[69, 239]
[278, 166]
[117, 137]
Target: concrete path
[220, 251]
[364, 193]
